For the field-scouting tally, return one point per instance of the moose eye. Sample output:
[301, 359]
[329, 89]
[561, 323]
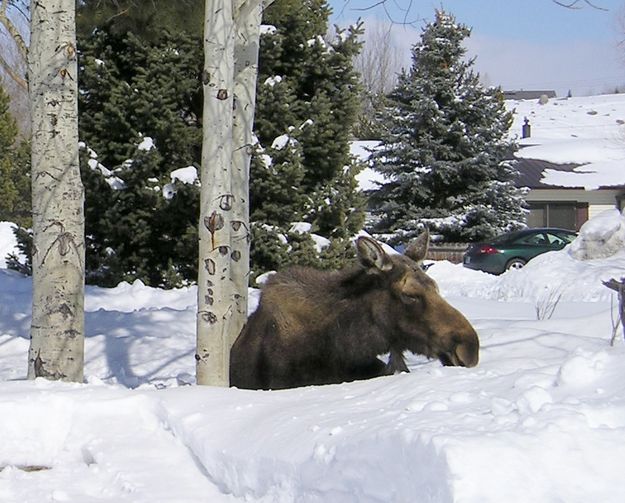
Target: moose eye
[411, 298]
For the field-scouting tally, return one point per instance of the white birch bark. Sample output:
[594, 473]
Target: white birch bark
[57, 329]
[216, 290]
[247, 40]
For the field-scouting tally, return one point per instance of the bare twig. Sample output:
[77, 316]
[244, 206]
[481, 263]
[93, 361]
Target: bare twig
[547, 303]
[619, 287]
[615, 322]
[398, 5]
[12, 29]
[15, 76]
[575, 4]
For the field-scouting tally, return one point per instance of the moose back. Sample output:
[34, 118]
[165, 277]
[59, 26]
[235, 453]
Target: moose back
[315, 327]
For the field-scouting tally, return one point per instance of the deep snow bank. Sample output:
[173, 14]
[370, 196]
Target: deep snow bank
[541, 419]
[600, 237]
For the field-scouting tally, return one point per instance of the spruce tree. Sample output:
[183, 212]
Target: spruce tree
[302, 170]
[137, 82]
[444, 148]
[140, 223]
[15, 203]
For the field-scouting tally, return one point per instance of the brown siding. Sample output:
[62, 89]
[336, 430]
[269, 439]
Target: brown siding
[452, 252]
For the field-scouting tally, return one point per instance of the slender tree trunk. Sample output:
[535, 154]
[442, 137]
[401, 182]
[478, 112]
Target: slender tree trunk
[247, 40]
[57, 330]
[216, 290]
[231, 40]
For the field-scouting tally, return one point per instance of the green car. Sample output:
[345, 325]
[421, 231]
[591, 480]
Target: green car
[514, 249]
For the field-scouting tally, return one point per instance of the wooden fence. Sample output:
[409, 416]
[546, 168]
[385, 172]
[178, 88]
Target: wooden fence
[447, 251]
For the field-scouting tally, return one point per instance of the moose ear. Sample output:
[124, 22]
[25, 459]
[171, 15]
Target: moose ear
[371, 254]
[418, 249]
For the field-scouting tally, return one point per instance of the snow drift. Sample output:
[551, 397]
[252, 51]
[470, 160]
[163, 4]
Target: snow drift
[541, 419]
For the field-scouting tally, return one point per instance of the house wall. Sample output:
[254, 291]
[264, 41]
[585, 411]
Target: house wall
[607, 198]
[597, 200]
[598, 208]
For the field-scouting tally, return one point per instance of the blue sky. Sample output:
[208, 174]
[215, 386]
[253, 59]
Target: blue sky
[527, 44]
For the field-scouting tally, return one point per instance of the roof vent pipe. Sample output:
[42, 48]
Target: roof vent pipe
[526, 130]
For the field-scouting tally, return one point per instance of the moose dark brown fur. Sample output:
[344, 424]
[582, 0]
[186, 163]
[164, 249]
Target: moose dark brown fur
[314, 327]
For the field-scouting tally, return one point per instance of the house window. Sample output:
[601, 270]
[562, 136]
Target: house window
[566, 215]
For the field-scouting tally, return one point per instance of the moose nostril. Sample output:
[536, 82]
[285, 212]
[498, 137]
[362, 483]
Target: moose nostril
[466, 355]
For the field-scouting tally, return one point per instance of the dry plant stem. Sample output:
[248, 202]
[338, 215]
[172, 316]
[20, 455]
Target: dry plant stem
[619, 287]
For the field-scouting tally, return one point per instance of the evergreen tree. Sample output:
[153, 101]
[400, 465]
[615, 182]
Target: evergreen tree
[140, 223]
[15, 199]
[302, 170]
[137, 82]
[444, 149]
[145, 18]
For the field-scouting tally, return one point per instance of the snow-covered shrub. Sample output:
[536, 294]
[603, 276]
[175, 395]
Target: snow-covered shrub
[600, 237]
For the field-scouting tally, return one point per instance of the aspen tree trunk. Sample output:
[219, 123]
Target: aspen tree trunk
[216, 290]
[57, 329]
[247, 40]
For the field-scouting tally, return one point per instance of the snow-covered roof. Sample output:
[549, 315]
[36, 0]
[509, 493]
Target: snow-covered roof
[539, 174]
[588, 132]
[575, 143]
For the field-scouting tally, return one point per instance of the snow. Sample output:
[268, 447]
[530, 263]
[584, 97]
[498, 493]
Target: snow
[321, 243]
[146, 144]
[601, 237]
[586, 130]
[540, 419]
[367, 179]
[8, 242]
[114, 181]
[281, 141]
[272, 81]
[268, 29]
[186, 175]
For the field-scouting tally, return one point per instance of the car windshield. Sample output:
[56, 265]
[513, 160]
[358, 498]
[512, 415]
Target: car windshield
[567, 237]
[557, 239]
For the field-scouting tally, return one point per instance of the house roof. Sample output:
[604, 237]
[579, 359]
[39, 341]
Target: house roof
[532, 174]
[527, 95]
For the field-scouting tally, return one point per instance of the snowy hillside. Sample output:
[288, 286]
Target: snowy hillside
[587, 130]
[540, 419]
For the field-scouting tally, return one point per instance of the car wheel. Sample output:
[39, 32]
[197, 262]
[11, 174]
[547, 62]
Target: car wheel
[515, 263]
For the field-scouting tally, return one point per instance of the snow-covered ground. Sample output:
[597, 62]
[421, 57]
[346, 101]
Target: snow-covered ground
[540, 419]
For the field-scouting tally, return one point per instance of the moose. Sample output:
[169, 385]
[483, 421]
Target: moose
[314, 327]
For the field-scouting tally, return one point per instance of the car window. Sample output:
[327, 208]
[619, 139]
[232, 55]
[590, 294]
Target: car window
[533, 239]
[567, 237]
[556, 240]
[505, 238]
